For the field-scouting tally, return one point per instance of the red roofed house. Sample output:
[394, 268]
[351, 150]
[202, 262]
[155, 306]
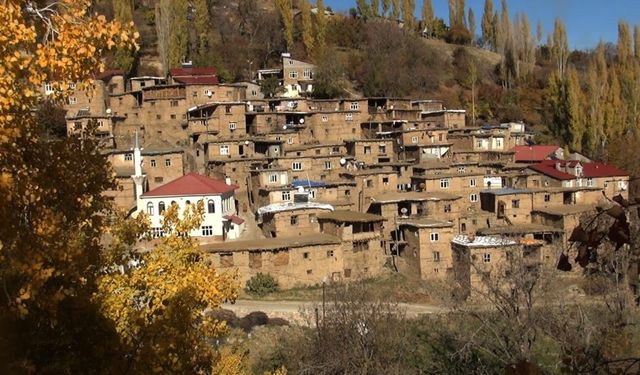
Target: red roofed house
[220, 218]
[194, 76]
[537, 153]
[573, 173]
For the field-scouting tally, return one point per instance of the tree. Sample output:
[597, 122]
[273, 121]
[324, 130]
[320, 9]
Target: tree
[559, 47]
[427, 17]
[636, 41]
[286, 19]
[163, 20]
[395, 9]
[123, 13]
[51, 202]
[179, 37]
[307, 26]
[321, 26]
[202, 25]
[576, 111]
[329, 79]
[386, 4]
[472, 24]
[408, 13]
[270, 87]
[487, 25]
[375, 8]
[156, 299]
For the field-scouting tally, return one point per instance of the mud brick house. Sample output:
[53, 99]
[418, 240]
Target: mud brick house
[423, 247]
[291, 219]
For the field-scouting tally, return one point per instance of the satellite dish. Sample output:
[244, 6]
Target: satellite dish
[301, 121]
[300, 189]
[284, 127]
[343, 161]
[422, 185]
[404, 210]
[108, 111]
[246, 142]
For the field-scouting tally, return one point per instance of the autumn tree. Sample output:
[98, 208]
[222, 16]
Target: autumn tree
[386, 4]
[427, 17]
[123, 13]
[201, 26]
[487, 26]
[179, 36]
[395, 9]
[472, 24]
[308, 38]
[286, 19]
[51, 202]
[408, 13]
[321, 25]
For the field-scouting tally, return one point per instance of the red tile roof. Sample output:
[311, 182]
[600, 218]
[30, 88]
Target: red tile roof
[589, 170]
[551, 171]
[197, 80]
[183, 72]
[191, 184]
[533, 153]
[234, 219]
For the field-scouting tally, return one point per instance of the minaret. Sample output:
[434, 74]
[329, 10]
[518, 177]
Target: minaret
[138, 177]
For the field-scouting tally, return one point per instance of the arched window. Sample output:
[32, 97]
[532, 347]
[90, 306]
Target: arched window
[150, 209]
[188, 202]
[173, 203]
[160, 207]
[211, 206]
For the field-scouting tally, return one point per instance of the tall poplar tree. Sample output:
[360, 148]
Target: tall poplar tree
[201, 23]
[179, 37]
[427, 16]
[472, 25]
[487, 26]
[286, 18]
[307, 26]
[321, 26]
[375, 8]
[123, 13]
[386, 4]
[408, 13]
[395, 9]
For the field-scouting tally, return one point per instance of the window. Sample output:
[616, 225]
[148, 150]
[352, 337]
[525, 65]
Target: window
[368, 183]
[294, 220]
[174, 103]
[194, 94]
[479, 144]
[273, 178]
[290, 140]
[312, 194]
[348, 117]
[48, 88]
[296, 166]
[327, 165]
[158, 117]
[515, 203]
[233, 125]
[286, 196]
[325, 118]
[335, 150]
[547, 197]
[73, 100]
[72, 86]
[329, 253]
[444, 183]
[211, 206]
[436, 256]
[590, 182]
[473, 197]
[160, 208]
[355, 106]
[173, 116]
[150, 209]
[461, 169]
[128, 157]
[367, 150]
[167, 162]
[347, 193]
[435, 237]
[158, 180]
[227, 109]
[414, 139]
[486, 258]
[360, 246]
[463, 227]
[305, 255]
[293, 74]
[385, 180]
[153, 163]
[472, 182]
[306, 73]
[224, 149]
[382, 149]
[207, 230]
[313, 218]
[208, 92]
[498, 142]
[447, 207]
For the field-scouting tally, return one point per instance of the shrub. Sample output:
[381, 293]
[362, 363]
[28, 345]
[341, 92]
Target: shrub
[261, 285]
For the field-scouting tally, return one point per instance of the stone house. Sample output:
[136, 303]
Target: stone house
[371, 151]
[291, 219]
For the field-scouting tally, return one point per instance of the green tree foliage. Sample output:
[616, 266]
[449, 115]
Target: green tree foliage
[179, 37]
[408, 13]
[321, 26]
[472, 24]
[270, 87]
[123, 13]
[330, 77]
[261, 284]
[202, 25]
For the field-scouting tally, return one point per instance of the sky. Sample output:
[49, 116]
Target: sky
[587, 21]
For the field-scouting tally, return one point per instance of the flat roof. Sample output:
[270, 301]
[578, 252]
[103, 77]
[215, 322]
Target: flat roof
[519, 229]
[392, 197]
[271, 243]
[482, 241]
[425, 223]
[291, 206]
[350, 216]
[569, 209]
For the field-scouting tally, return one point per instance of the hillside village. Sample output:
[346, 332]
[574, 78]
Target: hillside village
[311, 190]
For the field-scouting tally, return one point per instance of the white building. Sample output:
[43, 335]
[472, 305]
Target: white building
[220, 218]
